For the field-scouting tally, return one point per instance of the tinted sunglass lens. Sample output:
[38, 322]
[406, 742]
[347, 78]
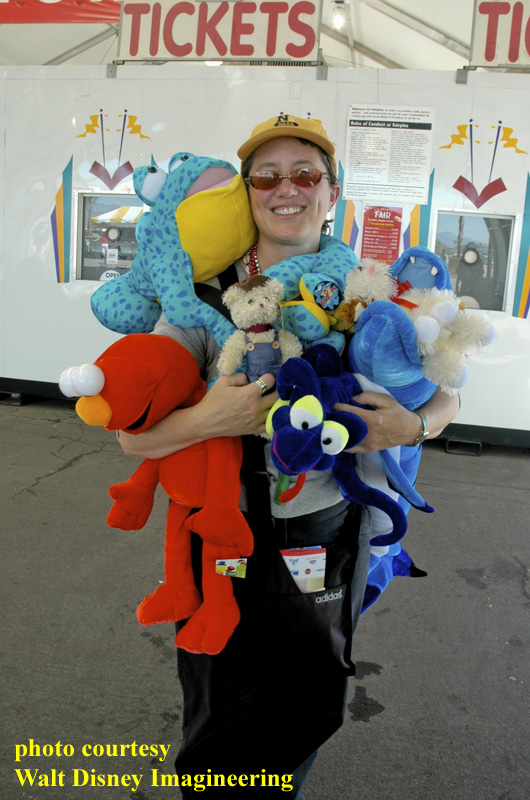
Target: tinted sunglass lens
[305, 177]
[264, 181]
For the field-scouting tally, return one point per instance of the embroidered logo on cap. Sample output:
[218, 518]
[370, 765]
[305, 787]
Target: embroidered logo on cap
[286, 119]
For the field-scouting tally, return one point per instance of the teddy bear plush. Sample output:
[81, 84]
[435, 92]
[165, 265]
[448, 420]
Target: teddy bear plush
[177, 248]
[256, 347]
[135, 383]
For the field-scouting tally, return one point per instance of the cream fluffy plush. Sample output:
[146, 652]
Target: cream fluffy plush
[446, 333]
[255, 305]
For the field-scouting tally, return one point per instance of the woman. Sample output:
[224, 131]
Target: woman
[277, 691]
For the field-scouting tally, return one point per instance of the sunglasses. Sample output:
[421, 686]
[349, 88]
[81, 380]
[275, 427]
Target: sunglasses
[304, 178]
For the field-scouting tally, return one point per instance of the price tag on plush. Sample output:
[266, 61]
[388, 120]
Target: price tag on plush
[233, 567]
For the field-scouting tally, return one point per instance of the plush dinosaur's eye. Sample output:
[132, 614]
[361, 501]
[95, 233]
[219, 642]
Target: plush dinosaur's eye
[306, 413]
[334, 438]
[251, 302]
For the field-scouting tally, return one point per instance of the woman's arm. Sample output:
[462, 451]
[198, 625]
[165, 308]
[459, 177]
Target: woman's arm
[232, 407]
[390, 424]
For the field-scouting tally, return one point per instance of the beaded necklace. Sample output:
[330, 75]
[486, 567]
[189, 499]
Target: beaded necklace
[253, 263]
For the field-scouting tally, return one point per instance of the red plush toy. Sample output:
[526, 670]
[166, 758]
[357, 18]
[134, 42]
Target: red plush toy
[135, 383]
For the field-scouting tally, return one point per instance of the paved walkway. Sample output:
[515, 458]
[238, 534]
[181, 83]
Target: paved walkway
[439, 707]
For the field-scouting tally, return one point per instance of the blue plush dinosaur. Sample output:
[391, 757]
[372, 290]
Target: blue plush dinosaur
[308, 433]
[419, 338]
[200, 223]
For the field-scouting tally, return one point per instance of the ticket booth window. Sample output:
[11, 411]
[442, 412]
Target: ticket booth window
[476, 250]
[106, 242]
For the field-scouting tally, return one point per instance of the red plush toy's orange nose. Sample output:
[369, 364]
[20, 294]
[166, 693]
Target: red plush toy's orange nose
[94, 410]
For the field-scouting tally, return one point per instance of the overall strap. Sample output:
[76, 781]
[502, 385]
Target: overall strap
[256, 480]
[212, 296]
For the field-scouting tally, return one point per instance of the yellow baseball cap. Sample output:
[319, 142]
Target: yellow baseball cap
[288, 125]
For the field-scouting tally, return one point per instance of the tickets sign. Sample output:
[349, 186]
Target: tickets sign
[279, 30]
[501, 34]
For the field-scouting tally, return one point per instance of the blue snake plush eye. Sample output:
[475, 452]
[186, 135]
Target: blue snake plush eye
[307, 413]
[334, 438]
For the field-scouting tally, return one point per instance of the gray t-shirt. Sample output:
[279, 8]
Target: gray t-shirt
[320, 489]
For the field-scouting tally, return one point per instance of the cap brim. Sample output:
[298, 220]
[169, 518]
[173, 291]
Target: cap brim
[248, 147]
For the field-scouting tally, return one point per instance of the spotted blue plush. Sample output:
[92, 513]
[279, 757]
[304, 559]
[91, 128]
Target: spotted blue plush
[163, 272]
[333, 262]
[162, 275]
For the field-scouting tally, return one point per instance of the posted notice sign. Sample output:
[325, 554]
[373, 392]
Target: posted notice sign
[284, 30]
[381, 233]
[388, 154]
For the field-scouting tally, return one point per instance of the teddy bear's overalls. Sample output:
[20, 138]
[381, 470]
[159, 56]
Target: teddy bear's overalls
[262, 357]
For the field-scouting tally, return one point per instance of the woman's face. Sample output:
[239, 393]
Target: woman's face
[287, 214]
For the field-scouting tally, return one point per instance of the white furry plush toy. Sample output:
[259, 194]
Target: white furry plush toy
[370, 281]
[258, 347]
[446, 333]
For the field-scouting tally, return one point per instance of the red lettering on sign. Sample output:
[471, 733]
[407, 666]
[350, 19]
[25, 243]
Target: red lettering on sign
[515, 33]
[207, 27]
[170, 44]
[136, 10]
[243, 29]
[527, 36]
[273, 10]
[155, 29]
[240, 28]
[493, 11]
[296, 25]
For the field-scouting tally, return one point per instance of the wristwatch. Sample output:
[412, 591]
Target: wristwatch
[422, 435]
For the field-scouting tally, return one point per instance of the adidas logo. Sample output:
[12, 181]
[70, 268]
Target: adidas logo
[329, 596]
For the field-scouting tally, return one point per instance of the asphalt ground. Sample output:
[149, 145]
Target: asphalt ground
[439, 707]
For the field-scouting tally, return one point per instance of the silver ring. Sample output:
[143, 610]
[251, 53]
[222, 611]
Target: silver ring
[262, 385]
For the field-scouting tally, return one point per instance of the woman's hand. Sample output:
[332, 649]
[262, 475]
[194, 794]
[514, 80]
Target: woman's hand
[234, 407]
[390, 424]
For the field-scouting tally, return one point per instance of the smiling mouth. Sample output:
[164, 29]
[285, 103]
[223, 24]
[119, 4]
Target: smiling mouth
[140, 421]
[282, 212]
